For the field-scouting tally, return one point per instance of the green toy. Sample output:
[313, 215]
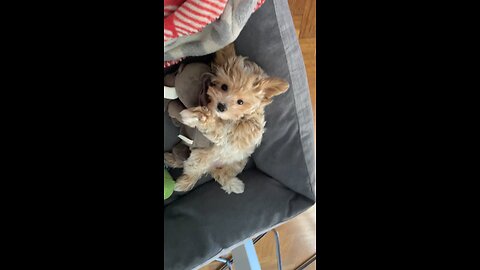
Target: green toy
[168, 185]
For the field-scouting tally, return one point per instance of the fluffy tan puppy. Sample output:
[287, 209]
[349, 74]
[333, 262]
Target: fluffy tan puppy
[234, 120]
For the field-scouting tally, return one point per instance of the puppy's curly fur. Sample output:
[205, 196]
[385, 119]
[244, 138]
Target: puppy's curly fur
[234, 120]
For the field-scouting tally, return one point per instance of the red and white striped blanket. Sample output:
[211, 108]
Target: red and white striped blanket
[187, 17]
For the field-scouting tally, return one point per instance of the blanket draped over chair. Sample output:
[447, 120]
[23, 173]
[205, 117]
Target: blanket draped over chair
[201, 27]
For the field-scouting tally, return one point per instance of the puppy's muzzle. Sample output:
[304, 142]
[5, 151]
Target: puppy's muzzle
[221, 107]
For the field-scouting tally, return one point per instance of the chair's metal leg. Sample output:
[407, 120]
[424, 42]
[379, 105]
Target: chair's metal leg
[279, 257]
[245, 257]
[227, 263]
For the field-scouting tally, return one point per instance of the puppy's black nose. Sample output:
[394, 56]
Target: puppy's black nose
[221, 107]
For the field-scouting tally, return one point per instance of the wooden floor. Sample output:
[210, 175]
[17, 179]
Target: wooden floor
[304, 14]
[298, 236]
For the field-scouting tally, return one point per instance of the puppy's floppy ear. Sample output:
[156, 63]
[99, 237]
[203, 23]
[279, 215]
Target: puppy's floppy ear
[273, 87]
[224, 54]
[206, 79]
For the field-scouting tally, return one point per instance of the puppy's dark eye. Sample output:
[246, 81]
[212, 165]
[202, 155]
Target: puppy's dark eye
[240, 102]
[212, 84]
[224, 87]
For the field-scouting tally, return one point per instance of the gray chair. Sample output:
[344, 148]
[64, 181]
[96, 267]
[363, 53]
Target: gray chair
[280, 179]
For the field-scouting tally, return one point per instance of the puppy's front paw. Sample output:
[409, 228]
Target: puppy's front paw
[192, 117]
[234, 185]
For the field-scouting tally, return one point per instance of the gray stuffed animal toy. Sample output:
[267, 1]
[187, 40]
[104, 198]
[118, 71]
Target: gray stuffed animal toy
[191, 84]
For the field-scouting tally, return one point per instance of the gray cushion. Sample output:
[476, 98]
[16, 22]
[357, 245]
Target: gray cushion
[202, 224]
[279, 183]
[287, 151]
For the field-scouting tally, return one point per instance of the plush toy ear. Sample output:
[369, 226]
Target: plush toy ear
[224, 54]
[271, 88]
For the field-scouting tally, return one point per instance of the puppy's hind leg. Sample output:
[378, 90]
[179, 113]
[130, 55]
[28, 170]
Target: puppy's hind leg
[177, 157]
[226, 176]
[186, 182]
[194, 167]
[171, 161]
